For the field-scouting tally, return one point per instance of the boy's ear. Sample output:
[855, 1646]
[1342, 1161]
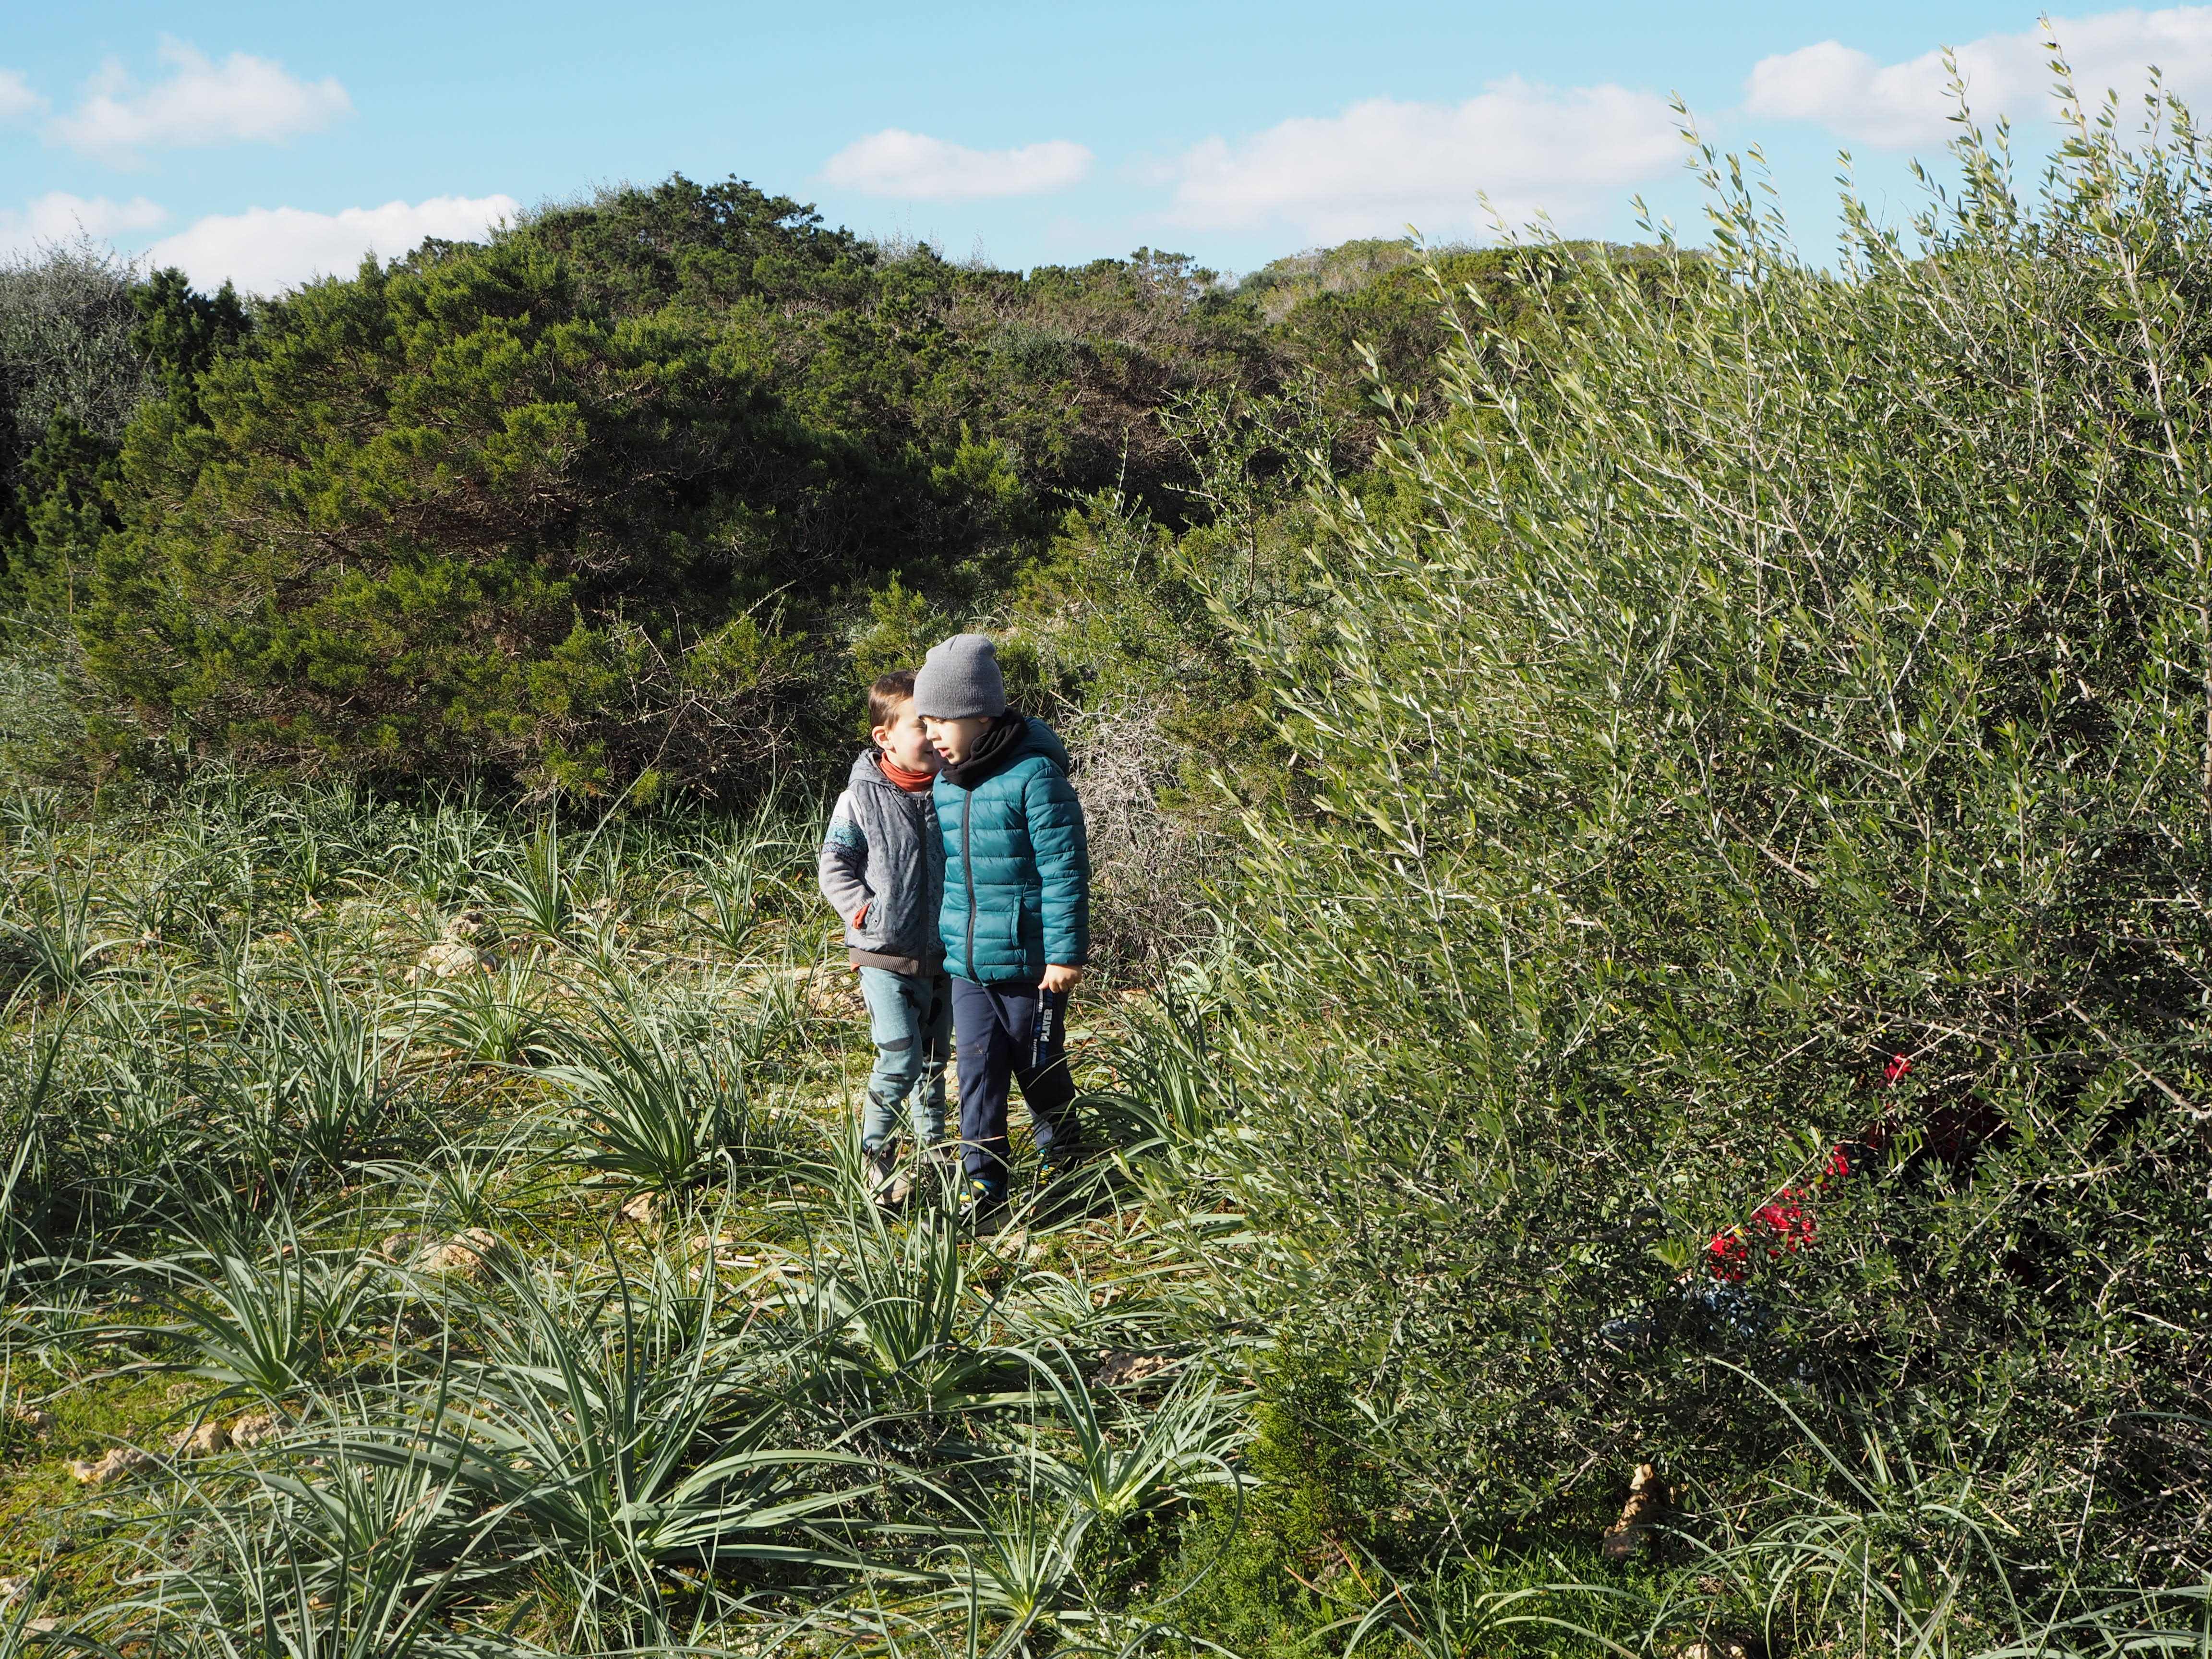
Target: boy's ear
[879, 735]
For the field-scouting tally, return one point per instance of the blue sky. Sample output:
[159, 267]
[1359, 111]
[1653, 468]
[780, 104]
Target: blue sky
[270, 142]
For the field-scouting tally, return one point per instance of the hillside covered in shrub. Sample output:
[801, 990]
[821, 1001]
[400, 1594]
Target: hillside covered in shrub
[579, 509]
[1646, 1070]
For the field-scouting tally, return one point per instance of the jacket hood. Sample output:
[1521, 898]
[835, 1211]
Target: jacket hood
[1042, 739]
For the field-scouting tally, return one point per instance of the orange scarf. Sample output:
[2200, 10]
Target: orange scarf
[913, 782]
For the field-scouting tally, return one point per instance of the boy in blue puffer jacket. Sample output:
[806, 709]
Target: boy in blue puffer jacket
[1016, 918]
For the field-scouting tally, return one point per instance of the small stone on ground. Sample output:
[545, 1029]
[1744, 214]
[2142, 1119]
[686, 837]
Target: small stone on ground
[472, 1253]
[113, 1467]
[205, 1441]
[253, 1428]
[1118, 1368]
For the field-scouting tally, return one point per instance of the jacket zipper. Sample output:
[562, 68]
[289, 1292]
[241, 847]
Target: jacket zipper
[968, 875]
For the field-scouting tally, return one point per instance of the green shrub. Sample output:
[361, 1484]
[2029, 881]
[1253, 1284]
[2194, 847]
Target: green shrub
[574, 510]
[1788, 673]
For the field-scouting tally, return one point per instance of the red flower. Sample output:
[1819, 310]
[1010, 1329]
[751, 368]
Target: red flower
[1897, 1066]
[1726, 1255]
[1840, 1165]
[1790, 1224]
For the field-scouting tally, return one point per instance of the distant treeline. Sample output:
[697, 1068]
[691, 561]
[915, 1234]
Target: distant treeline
[605, 506]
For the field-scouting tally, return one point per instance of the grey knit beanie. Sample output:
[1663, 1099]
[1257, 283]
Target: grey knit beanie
[960, 677]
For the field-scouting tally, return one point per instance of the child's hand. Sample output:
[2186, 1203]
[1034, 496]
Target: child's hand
[1058, 976]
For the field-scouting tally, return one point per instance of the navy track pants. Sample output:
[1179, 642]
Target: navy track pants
[995, 1034]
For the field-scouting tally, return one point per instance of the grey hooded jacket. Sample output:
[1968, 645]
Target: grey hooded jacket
[882, 870]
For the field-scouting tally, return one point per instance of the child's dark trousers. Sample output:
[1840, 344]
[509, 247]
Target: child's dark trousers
[995, 1032]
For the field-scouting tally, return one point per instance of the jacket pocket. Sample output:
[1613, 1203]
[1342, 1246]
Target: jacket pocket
[1029, 922]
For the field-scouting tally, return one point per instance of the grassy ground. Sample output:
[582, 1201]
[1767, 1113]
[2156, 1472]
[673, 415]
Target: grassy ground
[494, 1191]
[269, 1056]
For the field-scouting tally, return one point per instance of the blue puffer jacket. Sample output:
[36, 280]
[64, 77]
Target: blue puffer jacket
[1017, 867]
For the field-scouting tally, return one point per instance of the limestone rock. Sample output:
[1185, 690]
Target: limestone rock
[466, 945]
[1118, 1368]
[253, 1428]
[1648, 1501]
[31, 1418]
[450, 959]
[114, 1466]
[472, 1253]
[205, 1441]
[466, 925]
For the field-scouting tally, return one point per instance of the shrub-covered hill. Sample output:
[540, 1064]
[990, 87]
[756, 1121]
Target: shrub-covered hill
[1701, 996]
[1736, 996]
[584, 507]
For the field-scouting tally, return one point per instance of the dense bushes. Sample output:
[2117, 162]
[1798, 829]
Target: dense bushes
[1745, 974]
[1717, 975]
[597, 509]
[444, 517]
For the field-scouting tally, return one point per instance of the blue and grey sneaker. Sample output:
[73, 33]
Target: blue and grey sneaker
[884, 1185]
[1059, 1165]
[984, 1207]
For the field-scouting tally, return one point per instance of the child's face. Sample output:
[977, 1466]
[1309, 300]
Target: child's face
[954, 738]
[904, 743]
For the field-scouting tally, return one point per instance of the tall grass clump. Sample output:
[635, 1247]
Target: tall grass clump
[1743, 974]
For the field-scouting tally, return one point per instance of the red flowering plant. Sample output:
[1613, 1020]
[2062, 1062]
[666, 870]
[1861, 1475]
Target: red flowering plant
[1784, 1226]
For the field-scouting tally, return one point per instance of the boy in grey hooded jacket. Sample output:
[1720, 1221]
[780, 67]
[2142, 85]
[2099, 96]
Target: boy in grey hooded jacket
[882, 868]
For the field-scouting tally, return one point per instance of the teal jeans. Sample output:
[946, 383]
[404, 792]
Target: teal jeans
[910, 1022]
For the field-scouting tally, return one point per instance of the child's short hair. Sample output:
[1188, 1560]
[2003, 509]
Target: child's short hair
[886, 696]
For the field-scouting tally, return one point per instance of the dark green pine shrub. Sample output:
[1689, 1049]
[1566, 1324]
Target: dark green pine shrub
[592, 508]
[453, 515]
[1746, 974]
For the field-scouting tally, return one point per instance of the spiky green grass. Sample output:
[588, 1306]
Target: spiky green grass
[486, 1199]
[499, 1185]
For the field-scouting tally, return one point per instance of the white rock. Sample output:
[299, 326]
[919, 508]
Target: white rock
[465, 926]
[1121, 1367]
[451, 959]
[253, 1428]
[472, 1253]
[205, 1441]
[100, 1471]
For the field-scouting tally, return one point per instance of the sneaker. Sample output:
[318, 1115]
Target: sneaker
[882, 1185]
[984, 1208]
[1059, 1166]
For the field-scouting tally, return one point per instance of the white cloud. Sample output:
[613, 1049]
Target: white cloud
[16, 97]
[1382, 165]
[910, 164]
[242, 99]
[265, 250]
[57, 216]
[1901, 105]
